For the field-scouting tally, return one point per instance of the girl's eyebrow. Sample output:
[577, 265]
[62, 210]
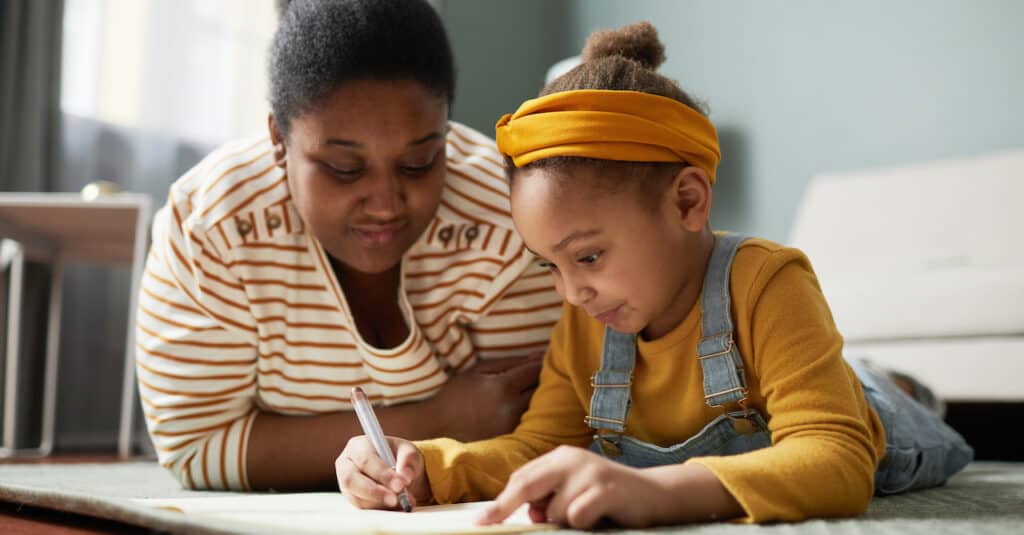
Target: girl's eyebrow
[576, 235]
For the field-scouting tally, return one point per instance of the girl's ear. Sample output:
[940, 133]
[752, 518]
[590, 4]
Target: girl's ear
[691, 197]
[280, 150]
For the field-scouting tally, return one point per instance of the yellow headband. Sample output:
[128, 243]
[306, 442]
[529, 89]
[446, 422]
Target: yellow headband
[609, 125]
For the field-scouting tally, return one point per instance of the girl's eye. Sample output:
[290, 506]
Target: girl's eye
[547, 265]
[590, 259]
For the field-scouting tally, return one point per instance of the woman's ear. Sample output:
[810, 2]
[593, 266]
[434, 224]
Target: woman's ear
[280, 150]
[691, 196]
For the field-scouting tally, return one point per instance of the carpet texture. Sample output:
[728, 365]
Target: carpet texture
[985, 498]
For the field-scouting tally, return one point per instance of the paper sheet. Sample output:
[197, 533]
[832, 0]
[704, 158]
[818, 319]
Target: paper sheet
[329, 512]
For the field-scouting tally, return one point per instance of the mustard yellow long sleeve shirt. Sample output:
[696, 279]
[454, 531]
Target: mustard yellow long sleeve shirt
[826, 440]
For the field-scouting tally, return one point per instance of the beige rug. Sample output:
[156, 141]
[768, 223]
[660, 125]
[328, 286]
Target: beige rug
[985, 498]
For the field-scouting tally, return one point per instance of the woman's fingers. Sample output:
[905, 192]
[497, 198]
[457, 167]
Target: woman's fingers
[524, 377]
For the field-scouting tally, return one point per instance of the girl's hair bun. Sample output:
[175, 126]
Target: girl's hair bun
[638, 42]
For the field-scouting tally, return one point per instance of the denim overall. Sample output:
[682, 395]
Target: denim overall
[921, 450]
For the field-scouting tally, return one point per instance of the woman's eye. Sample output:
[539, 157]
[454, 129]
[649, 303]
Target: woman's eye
[589, 259]
[547, 265]
[419, 169]
[345, 174]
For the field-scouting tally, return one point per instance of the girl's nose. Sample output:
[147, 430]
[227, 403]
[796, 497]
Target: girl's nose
[578, 293]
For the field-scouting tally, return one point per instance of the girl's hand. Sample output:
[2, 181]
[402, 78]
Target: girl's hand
[575, 487]
[369, 483]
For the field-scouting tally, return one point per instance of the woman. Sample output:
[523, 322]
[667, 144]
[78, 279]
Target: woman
[365, 242]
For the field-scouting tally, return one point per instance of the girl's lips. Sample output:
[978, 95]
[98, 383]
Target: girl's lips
[609, 316]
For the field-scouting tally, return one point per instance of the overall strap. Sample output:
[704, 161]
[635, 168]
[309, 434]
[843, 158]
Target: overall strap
[611, 383]
[720, 360]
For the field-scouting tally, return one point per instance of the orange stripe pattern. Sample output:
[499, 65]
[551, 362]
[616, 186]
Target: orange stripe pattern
[240, 312]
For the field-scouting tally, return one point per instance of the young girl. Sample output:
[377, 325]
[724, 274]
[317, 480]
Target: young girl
[694, 376]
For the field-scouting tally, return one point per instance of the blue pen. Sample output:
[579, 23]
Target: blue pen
[371, 428]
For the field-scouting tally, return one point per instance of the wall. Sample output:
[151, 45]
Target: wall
[502, 50]
[802, 87]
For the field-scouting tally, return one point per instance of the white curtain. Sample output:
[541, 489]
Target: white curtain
[193, 70]
[149, 87]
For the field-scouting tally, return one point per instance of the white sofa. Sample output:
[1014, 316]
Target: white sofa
[923, 266]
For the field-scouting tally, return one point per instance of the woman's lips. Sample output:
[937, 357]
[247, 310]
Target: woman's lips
[378, 235]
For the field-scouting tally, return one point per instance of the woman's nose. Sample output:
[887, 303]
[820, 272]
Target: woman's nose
[385, 198]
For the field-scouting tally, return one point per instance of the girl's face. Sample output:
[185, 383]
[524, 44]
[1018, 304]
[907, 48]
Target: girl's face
[366, 169]
[634, 267]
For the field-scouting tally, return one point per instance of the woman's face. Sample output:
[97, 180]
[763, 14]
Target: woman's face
[366, 169]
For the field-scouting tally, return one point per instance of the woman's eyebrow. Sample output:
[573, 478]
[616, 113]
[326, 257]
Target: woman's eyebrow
[349, 143]
[429, 137]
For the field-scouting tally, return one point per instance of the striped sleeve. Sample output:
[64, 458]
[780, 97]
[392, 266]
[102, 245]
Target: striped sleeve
[520, 320]
[195, 356]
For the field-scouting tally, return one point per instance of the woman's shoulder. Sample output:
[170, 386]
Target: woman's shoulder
[230, 182]
[476, 187]
[474, 216]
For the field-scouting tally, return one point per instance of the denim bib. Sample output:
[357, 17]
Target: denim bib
[735, 431]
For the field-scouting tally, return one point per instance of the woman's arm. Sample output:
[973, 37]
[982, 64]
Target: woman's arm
[196, 373]
[298, 452]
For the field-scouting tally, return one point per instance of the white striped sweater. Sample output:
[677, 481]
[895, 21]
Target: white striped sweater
[240, 311]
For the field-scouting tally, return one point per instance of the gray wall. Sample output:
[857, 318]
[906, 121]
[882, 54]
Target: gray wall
[502, 50]
[804, 86]
[796, 87]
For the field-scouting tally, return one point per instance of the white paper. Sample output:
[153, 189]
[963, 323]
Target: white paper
[330, 512]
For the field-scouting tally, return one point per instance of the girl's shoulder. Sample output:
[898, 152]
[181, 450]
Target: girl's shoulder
[760, 262]
[758, 254]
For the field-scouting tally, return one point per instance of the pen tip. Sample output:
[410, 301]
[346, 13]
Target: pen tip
[403, 500]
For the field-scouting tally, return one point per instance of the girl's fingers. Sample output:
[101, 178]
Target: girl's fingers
[409, 462]
[538, 511]
[370, 464]
[534, 482]
[363, 491]
[587, 509]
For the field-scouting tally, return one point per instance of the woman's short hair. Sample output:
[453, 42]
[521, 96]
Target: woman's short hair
[322, 44]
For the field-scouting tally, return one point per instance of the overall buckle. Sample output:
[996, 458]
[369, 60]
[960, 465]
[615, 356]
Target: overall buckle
[610, 448]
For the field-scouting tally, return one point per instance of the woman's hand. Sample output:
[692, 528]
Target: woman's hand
[369, 483]
[488, 399]
[575, 487]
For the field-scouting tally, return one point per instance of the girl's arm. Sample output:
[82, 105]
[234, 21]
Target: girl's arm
[825, 439]
[575, 487]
